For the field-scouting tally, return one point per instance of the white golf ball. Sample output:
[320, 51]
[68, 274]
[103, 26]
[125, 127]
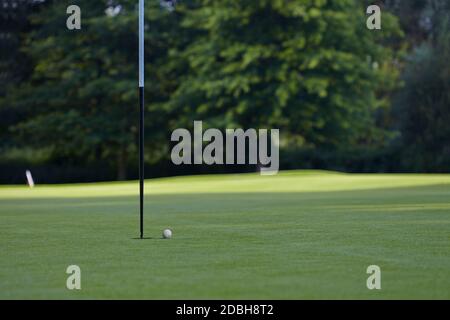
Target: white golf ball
[167, 234]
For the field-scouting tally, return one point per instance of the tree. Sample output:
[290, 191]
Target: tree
[310, 68]
[81, 99]
[423, 105]
[14, 65]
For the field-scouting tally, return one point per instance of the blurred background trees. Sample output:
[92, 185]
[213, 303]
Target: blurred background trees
[15, 66]
[310, 68]
[344, 97]
[422, 107]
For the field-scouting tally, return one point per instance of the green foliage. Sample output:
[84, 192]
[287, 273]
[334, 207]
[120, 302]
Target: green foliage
[307, 67]
[14, 64]
[81, 98]
[423, 106]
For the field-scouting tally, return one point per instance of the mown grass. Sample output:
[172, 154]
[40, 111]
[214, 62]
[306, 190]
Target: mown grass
[297, 235]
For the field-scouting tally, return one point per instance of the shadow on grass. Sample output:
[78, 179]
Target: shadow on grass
[390, 199]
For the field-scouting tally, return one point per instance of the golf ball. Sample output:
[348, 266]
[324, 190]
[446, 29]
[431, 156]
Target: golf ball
[167, 234]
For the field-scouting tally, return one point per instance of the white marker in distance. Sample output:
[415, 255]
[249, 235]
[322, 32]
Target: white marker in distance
[167, 234]
[29, 179]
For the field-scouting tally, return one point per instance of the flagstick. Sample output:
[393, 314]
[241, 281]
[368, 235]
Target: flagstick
[141, 116]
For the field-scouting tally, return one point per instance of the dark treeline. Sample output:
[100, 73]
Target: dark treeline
[344, 97]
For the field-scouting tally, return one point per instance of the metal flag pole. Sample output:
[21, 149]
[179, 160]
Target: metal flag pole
[141, 116]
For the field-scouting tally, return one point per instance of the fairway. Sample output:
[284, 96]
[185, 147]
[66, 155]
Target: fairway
[297, 235]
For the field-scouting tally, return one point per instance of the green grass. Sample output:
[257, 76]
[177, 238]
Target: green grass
[292, 236]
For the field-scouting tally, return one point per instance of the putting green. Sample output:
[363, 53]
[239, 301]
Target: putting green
[300, 234]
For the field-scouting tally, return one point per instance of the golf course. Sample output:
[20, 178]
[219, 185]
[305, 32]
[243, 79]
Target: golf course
[296, 235]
